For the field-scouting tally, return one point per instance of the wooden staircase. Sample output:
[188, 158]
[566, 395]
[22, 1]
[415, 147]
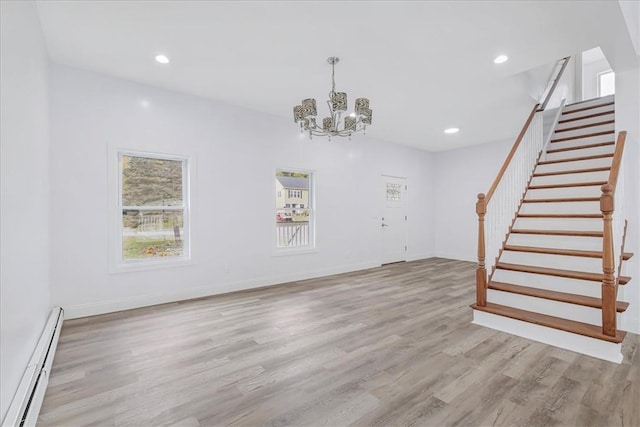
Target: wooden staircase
[549, 271]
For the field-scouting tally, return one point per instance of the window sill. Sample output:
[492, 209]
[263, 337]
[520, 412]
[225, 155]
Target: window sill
[293, 251]
[150, 265]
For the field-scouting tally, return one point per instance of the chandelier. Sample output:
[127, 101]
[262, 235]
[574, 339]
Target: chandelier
[306, 112]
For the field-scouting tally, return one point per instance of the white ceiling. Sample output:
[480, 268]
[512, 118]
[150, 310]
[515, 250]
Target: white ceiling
[425, 66]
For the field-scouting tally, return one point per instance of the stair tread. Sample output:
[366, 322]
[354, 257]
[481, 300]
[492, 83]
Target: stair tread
[558, 232]
[588, 125]
[591, 107]
[581, 147]
[604, 98]
[572, 171]
[568, 184]
[583, 300]
[585, 329]
[567, 215]
[576, 159]
[563, 199]
[588, 116]
[586, 135]
[571, 274]
[554, 251]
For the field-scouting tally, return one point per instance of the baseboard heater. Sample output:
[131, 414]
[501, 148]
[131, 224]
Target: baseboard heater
[27, 401]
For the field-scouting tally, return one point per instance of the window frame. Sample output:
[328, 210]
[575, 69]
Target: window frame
[119, 264]
[310, 206]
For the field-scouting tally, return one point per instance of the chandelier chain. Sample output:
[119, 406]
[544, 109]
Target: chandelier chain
[333, 77]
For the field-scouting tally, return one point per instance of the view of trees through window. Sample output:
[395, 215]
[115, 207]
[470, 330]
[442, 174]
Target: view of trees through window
[153, 205]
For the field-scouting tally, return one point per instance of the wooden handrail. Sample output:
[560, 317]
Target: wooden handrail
[617, 158]
[555, 83]
[505, 165]
[483, 200]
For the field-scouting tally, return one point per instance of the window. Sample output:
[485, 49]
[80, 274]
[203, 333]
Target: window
[606, 83]
[294, 218]
[153, 208]
[393, 191]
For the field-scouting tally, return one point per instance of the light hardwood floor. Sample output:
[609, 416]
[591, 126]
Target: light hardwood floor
[387, 346]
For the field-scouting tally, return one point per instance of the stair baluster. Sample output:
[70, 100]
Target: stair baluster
[496, 218]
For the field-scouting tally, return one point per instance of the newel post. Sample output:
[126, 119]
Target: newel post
[608, 264]
[481, 272]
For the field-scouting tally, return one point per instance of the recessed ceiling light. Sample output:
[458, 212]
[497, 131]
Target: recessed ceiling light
[500, 59]
[452, 130]
[163, 59]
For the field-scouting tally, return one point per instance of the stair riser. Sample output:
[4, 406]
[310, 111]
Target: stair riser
[578, 343]
[545, 306]
[580, 164]
[584, 131]
[563, 262]
[552, 193]
[590, 103]
[578, 224]
[584, 122]
[561, 207]
[552, 283]
[572, 112]
[557, 242]
[608, 149]
[570, 178]
[582, 141]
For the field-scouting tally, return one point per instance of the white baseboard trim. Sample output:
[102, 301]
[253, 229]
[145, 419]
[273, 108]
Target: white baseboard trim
[418, 257]
[458, 257]
[580, 344]
[138, 301]
[27, 401]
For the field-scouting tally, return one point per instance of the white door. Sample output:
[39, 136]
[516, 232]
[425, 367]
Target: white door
[394, 219]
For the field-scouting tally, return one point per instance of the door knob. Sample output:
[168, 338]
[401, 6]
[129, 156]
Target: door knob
[384, 225]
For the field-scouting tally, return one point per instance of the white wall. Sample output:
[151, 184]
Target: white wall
[232, 240]
[590, 77]
[460, 175]
[24, 228]
[627, 114]
[631, 11]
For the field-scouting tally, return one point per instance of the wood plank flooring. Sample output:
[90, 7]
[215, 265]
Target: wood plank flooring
[386, 346]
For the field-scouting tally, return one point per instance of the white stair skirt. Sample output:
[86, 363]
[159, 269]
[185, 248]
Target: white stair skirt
[580, 344]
